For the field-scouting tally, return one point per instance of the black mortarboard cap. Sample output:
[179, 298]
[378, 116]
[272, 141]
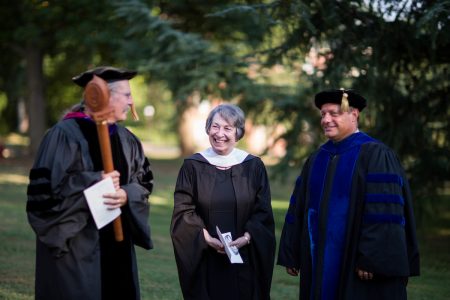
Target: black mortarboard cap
[335, 96]
[109, 74]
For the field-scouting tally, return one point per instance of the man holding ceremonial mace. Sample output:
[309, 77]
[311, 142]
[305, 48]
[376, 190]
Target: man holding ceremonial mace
[75, 259]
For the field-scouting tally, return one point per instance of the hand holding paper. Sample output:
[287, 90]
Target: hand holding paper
[115, 200]
[232, 252]
[94, 196]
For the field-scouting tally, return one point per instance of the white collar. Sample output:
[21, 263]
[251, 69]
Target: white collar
[235, 157]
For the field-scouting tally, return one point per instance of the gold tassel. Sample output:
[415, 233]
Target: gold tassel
[134, 113]
[345, 106]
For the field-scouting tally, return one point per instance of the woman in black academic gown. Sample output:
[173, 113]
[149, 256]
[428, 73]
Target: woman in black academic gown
[228, 188]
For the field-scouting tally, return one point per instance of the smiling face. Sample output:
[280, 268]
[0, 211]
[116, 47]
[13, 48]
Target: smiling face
[120, 100]
[222, 135]
[338, 125]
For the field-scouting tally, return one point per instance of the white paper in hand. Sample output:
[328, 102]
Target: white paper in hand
[232, 252]
[94, 196]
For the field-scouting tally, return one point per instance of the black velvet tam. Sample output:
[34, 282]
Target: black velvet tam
[335, 96]
[109, 74]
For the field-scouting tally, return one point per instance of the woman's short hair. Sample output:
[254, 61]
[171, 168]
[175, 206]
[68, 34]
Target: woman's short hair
[232, 114]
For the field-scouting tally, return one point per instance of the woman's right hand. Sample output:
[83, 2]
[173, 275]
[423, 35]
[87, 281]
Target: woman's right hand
[213, 242]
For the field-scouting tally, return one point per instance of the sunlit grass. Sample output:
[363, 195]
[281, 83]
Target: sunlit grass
[16, 139]
[13, 179]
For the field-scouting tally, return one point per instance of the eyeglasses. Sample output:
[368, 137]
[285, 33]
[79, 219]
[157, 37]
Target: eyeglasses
[127, 95]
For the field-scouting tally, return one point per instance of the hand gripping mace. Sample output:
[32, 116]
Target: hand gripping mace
[96, 96]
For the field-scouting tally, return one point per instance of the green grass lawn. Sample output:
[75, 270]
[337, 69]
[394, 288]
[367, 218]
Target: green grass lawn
[158, 275]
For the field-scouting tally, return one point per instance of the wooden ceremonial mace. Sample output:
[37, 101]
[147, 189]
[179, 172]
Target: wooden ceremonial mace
[96, 96]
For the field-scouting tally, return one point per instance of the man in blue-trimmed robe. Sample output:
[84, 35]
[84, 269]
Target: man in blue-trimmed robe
[349, 229]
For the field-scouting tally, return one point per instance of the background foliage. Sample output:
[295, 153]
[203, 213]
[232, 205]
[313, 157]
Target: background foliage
[271, 57]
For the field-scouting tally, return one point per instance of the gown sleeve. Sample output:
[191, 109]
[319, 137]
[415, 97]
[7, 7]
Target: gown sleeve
[289, 249]
[56, 207]
[187, 227]
[387, 243]
[261, 227]
[138, 189]
[261, 218]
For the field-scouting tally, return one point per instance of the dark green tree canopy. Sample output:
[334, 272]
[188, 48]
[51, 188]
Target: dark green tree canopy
[395, 53]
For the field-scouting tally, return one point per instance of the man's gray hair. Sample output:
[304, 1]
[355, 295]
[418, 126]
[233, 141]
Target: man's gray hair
[232, 114]
[113, 85]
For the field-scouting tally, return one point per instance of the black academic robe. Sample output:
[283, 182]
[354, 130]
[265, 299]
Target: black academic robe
[68, 246]
[351, 208]
[193, 193]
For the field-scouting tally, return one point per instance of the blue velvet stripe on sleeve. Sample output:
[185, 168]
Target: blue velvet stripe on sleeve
[388, 214]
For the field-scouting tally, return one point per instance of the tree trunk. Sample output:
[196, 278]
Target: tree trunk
[35, 89]
[186, 142]
[191, 125]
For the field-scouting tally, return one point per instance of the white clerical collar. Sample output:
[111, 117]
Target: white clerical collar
[235, 157]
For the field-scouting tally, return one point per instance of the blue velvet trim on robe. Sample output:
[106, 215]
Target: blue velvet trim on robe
[292, 200]
[337, 222]
[338, 204]
[385, 198]
[289, 218]
[298, 181]
[316, 183]
[384, 178]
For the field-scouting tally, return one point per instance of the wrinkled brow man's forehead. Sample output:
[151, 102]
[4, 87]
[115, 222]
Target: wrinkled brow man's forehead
[331, 107]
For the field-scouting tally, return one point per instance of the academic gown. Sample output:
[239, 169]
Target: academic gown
[194, 192]
[72, 255]
[351, 208]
